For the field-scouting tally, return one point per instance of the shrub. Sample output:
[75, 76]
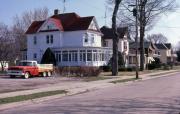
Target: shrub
[130, 69]
[166, 67]
[122, 69]
[155, 64]
[78, 71]
[106, 68]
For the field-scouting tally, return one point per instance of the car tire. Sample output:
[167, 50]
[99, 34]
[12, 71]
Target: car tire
[49, 74]
[44, 74]
[26, 75]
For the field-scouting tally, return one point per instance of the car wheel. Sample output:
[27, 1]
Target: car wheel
[49, 74]
[26, 75]
[44, 74]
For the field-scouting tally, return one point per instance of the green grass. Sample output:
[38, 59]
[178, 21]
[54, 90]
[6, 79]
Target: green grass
[124, 80]
[89, 79]
[30, 96]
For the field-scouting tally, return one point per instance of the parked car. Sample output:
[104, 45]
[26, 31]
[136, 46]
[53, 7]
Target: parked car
[27, 68]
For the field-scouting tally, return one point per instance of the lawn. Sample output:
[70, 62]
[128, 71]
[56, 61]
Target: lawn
[30, 96]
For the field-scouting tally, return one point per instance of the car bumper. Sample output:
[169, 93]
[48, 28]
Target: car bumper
[16, 73]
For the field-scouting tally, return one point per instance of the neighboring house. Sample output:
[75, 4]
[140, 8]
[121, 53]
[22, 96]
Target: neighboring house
[75, 40]
[4, 64]
[123, 44]
[148, 57]
[165, 52]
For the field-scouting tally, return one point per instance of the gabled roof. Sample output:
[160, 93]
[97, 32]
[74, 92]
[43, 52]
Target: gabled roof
[160, 46]
[168, 45]
[34, 27]
[65, 22]
[80, 24]
[132, 45]
[108, 32]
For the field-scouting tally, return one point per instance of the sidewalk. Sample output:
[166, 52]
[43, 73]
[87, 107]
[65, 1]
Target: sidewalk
[75, 88]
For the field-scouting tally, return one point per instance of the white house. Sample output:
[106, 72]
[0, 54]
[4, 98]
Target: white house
[123, 44]
[75, 40]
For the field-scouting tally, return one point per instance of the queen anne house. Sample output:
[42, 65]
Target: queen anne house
[74, 40]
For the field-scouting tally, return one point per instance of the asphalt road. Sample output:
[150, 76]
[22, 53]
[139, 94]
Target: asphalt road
[155, 96]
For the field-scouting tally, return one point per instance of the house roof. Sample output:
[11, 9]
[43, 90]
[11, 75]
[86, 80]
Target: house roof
[34, 27]
[150, 45]
[65, 22]
[160, 46]
[108, 32]
[168, 45]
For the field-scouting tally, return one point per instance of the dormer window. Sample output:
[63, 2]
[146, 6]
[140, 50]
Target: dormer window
[48, 27]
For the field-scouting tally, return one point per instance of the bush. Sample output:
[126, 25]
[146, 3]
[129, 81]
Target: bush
[155, 64]
[106, 68]
[122, 69]
[166, 67]
[130, 69]
[78, 71]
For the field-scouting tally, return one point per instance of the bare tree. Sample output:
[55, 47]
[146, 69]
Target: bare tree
[149, 11]
[116, 39]
[157, 38]
[6, 45]
[21, 24]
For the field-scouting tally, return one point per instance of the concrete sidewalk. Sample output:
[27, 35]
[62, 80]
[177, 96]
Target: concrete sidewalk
[76, 88]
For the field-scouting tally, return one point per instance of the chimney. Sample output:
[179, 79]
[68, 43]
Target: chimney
[56, 12]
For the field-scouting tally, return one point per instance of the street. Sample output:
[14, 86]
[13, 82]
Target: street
[154, 96]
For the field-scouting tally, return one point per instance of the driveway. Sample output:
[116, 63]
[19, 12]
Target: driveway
[154, 96]
[10, 85]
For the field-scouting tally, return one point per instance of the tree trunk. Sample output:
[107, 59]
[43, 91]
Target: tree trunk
[142, 32]
[115, 40]
[142, 48]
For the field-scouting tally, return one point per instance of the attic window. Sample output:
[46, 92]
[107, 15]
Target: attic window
[50, 26]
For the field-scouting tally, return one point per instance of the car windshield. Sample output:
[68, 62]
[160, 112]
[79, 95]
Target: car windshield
[25, 64]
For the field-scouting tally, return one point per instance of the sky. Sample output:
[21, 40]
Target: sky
[169, 25]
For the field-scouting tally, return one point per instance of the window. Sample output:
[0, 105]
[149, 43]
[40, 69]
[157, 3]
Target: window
[125, 45]
[51, 39]
[35, 40]
[65, 55]
[82, 55]
[47, 39]
[85, 37]
[105, 43]
[35, 56]
[92, 38]
[89, 55]
[60, 57]
[57, 57]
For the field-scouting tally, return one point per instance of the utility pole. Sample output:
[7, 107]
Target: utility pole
[105, 16]
[135, 14]
[64, 6]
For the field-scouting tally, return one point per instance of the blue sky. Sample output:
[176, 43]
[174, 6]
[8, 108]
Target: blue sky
[168, 25]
